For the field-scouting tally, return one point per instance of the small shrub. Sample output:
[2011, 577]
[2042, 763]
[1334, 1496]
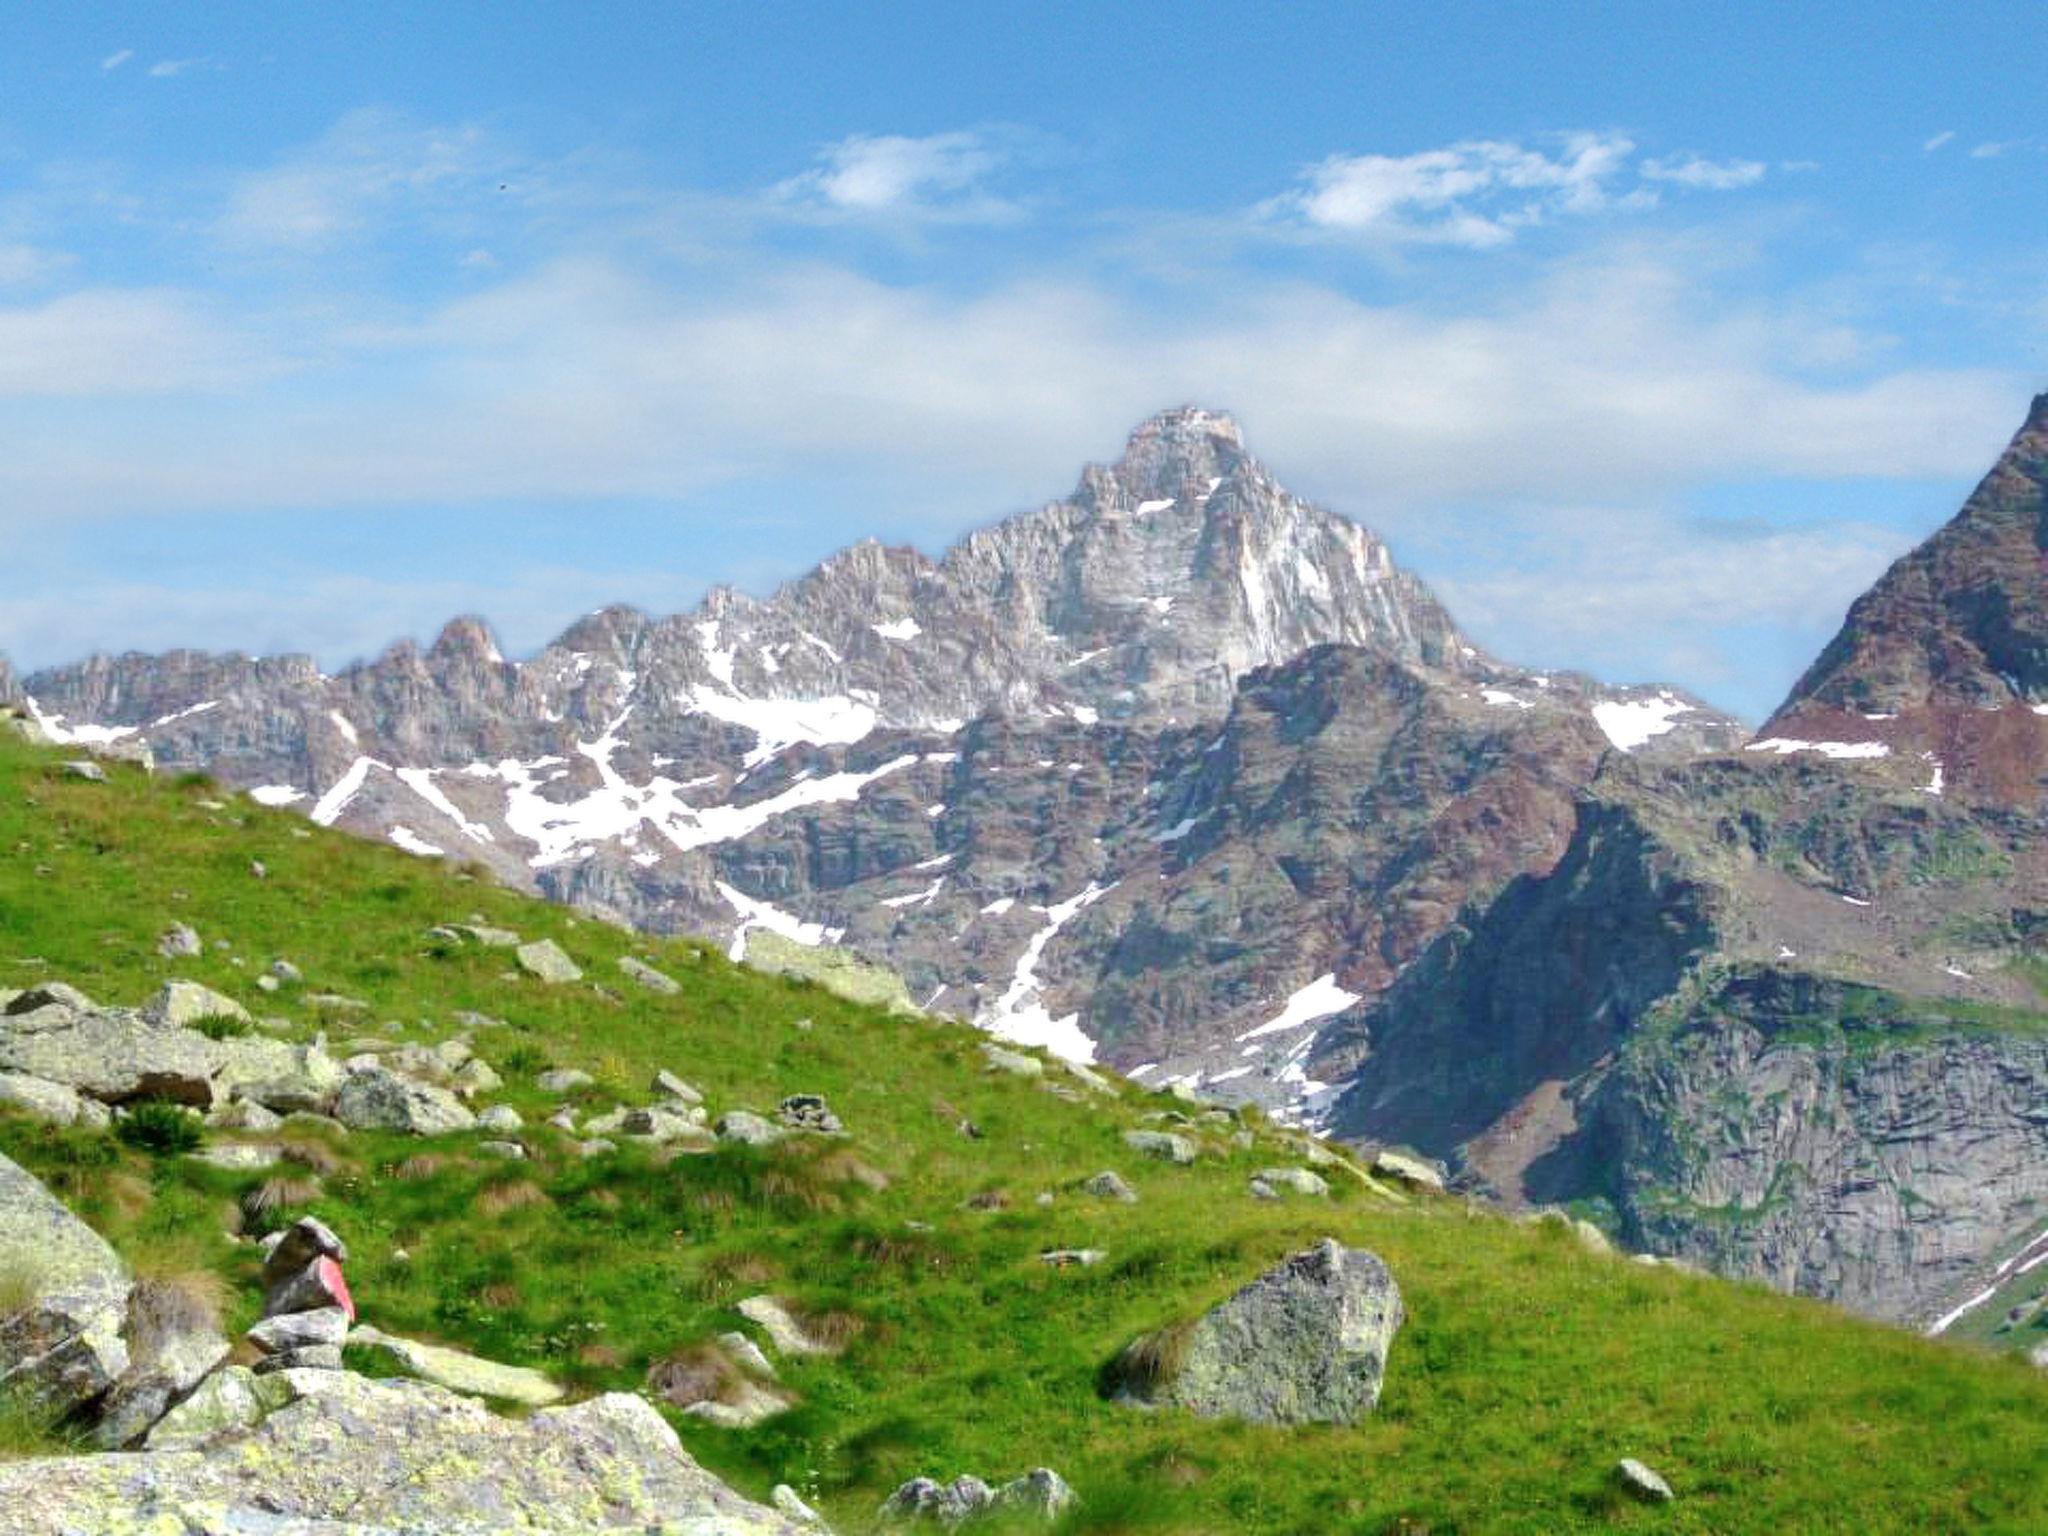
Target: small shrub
[161, 1128]
[524, 1060]
[221, 1026]
[1152, 1360]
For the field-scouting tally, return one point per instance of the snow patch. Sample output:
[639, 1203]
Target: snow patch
[1501, 698]
[1785, 746]
[275, 795]
[923, 898]
[762, 914]
[1318, 1000]
[76, 735]
[1146, 508]
[330, 805]
[1629, 723]
[905, 628]
[1020, 1014]
[1000, 905]
[412, 842]
[421, 782]
[341, 724]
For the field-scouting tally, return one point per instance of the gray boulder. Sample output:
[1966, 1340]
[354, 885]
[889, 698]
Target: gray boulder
[808, 1112]
[925, 1498]
[179, 942]
[179, 1003]
[55, 1102]
[173, 1345]
[500, 1117]
[299, 1330]
[1297, 1181]
[1110, 1185]
[460, 1372]
[1306, 1342]
[111, 1055]
[222, 1403]
[648, 976]
[1167, 1146]
[669, 1086]
[1041, 1491]
[1016, 1063]
[563, 1080]
[61, 1344]
[376, 1098]
[547, 960]
[744, 1126]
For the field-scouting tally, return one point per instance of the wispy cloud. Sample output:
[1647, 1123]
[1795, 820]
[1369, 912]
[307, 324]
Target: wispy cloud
[1945, 137]
[1480, 193]
[942, 175]
[366, 168]
[116, 60]
[1992, 149]
[1710, 175]
[165, 69]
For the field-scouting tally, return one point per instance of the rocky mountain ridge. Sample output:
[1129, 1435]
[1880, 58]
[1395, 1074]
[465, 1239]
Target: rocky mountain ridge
[1164, 773]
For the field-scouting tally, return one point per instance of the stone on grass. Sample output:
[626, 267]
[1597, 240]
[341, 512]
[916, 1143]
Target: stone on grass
[1041, 1491]
[669, 1086]
[376, 1098]
[1016, 1063]
[1164, 1145]
[748, 1128]
[500, 1117]
[926, 1498]
[563, 1080]
[1306, 1342]
[808, 1112]
[1297, 1181]
[547, 960]
[79, 768]
[648, 976]
[460, 1372]
[783, 1330]
[1642, 1482]
[180, 941]
[1416, 1172]
[1110, 1185]
[1259, 1189]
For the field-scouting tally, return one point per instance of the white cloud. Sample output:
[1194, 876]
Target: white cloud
[22, 265]
[165, 69]
[889, 174]
[1995, 148]
[1709, 175]
[102, 343]
[1476, 193]
[365, 169]
[116, 60]
[1946, 136]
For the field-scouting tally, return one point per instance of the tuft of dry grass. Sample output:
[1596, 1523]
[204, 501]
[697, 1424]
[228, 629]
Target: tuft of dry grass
[418, 1168]
[314, 1156]
[164, 1307]
[989, 1200]
[834, 1328]
[1154, 1359]
[797, 1188]
[842, 1166]
[501, 1199]
[701, 1374]
[724, 1274]
[283, 1192]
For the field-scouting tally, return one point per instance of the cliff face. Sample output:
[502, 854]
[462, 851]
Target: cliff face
[1140, 772]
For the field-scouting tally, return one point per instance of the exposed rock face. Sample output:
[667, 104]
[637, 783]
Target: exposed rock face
[1304, 1343]
[1135, 774]
[61, 1343]
[361, 1456]
[1779, 1013]
[1948, 654]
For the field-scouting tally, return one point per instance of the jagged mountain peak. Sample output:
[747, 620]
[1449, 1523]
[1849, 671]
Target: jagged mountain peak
[466, 638]
[1171, 452]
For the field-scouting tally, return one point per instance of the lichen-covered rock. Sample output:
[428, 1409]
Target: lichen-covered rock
[55, 1102]
[342, 1454]
[926, 1498]
[1299, 1181]
[743, 1125]
[563, 1080]
[110, 1054]
[781, 1325]
[179, 1003]
[1016, 1063]
[1110, 1185]
[223, 1402]
[376, 1098]
[62, 1345]
[1306, 1342]
[173, 1344]
[278, 1075]
[460, 1372]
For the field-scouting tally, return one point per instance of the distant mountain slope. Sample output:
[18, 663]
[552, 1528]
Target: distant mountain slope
[1782, 1011]
[1170, 771]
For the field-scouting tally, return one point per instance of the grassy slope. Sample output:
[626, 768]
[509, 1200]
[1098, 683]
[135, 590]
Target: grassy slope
[1526, 1369]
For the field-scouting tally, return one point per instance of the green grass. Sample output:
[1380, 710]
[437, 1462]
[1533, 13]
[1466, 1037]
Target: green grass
[1527, 1368]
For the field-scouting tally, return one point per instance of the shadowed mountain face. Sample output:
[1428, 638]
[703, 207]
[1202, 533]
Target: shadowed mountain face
[1171, 771]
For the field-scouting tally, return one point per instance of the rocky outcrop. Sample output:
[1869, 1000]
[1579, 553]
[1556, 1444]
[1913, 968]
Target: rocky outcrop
[355, 1457]
[63, 1301]
[1304, 1343]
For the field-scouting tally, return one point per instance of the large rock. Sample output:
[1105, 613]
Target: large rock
[547, 960]
[226, 1401]
[1167, 1146]
[61, 1341]
[460, 1372]
[1306, 1342]
[649, 977]
[342, 1455]
[110, 1054]
[50, 1101]
[174, 1344]
[376, 1098]
[278, 1075]
[179, 1003]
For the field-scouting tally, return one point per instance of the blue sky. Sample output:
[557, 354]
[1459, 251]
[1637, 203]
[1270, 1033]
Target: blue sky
[1648, 333]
